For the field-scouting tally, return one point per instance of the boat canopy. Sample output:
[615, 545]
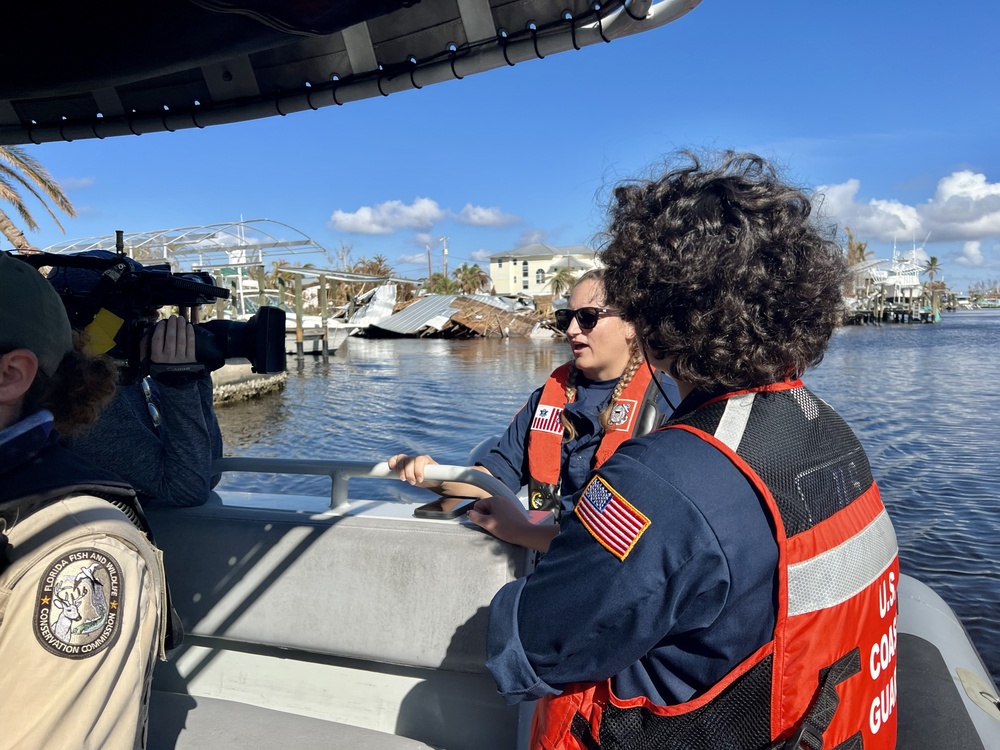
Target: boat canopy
[95, 70]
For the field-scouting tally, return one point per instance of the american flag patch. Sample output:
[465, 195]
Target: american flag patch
[610, 518]
[547, 419]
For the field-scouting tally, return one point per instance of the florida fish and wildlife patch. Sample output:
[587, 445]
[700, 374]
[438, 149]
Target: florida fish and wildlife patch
[78, 608]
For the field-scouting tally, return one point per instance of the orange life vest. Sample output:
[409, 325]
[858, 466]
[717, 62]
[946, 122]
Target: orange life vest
[545, 435]
[829, 673]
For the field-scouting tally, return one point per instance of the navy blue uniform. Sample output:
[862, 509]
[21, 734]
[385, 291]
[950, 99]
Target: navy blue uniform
[508, 459]
[673, 616]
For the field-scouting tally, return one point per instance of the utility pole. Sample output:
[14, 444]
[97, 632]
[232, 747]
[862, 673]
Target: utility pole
[428, 249]
[444, 254]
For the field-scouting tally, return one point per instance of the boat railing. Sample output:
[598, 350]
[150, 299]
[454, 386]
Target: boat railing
[365, 626]
[341, 472]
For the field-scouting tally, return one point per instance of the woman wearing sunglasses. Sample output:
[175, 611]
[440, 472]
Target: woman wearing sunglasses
[587, 408]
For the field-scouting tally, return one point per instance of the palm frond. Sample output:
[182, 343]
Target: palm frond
[31, 189]
[22, 161]
[19, 173]
[9, 194]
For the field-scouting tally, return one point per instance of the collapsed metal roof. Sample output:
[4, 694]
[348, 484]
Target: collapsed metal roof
[118, 67]
[465, 314]
[380, 302]
[420, 314]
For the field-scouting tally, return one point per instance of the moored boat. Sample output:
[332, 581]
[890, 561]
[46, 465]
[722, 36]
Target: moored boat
[312, 335]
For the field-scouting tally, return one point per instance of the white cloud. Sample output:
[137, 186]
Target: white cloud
[481, 255]
[387, 217]
[422, 214]
[76, 183]
[964, 207]
[412, 258]
[972, 254]
[878, 219]
[530, 236]
[479, 216]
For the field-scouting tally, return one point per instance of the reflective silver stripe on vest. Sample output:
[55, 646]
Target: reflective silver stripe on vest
[734, 420]
[834, 576]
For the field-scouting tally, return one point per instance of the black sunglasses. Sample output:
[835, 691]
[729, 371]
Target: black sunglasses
[587, 317]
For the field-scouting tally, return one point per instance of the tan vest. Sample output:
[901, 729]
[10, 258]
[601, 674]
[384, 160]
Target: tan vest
[82, 621]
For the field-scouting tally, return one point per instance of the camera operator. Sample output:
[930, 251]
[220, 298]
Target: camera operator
[160, 432]
[82, 615]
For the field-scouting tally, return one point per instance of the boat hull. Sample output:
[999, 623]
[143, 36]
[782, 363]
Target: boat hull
[312, 340]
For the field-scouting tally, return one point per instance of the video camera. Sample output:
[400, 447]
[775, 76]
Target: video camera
[113, 298]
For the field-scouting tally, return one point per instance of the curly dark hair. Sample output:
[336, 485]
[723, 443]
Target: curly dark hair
[76, 393]
[721, 268]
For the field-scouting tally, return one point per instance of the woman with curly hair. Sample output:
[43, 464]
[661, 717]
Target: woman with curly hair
[721, 582]
[76, 392]
[585, 410]
[81, 586]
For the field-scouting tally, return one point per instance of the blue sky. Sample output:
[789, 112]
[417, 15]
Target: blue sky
[891, 108]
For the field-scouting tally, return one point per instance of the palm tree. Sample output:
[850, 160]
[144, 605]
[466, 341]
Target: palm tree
[857, 252]
[377, 266]
[472, 278]
[438, 283]
[275, 276]
[931, 268]
[279, 279]
[561, 282]
[19, 170]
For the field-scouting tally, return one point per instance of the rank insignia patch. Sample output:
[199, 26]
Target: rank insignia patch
[622, 413]
[78, 610]
[610, 518]
[548, 419]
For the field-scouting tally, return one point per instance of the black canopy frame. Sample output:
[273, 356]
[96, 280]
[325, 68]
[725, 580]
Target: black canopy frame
[118, 67]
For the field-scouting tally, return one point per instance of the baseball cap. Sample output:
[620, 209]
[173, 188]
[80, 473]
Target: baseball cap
[31, 314]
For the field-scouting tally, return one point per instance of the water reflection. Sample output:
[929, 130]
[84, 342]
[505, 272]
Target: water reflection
[923, 400]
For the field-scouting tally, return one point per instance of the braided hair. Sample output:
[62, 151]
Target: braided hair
[634, 361]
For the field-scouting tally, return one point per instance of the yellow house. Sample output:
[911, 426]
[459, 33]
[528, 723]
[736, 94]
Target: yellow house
[528, 269]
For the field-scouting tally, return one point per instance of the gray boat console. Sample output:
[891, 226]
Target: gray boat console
[355, 626]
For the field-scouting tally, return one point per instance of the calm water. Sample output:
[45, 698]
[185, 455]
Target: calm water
[923, 399]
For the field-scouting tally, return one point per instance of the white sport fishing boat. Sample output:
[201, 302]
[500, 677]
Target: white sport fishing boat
[337, 622]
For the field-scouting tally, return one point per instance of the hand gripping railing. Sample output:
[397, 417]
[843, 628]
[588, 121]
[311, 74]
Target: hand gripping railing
[342, 471]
